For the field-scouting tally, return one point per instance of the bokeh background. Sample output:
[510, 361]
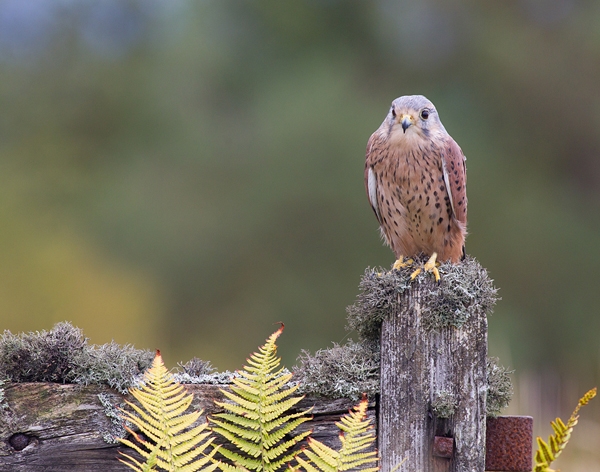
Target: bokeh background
[183, 174]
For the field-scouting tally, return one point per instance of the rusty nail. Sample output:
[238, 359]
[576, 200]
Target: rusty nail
[443, 447]
[508, 443]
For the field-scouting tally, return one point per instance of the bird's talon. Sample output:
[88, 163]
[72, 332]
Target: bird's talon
[431, 262]
[401, 263]
[430, 266]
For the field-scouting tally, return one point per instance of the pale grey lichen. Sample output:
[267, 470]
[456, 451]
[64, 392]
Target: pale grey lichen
[196, 367]
[380, 290]
[343, 371]
[464, 290]
[112, 364]
[3, 404]
[63, 355]
[43, 356]
[117, 424]
[444, 404]
[500, 389]
[216, 378]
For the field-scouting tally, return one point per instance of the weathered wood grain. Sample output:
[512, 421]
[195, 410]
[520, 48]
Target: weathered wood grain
[61, 427]
[417, 366]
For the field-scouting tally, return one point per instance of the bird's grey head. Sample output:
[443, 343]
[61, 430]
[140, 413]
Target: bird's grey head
[413, 116]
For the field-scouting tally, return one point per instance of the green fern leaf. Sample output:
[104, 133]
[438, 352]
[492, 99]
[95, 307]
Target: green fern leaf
[306, 465]
[275, 436]
[251, 434]
[271, 410]
[356, 435]
[282, 421]
[322, 456]
[238, 410]
[240, 421]
[548, 452]
[257, 421]
[174, 444]
[250, 448]
[248, 405]
[273, 453]
[238, 459]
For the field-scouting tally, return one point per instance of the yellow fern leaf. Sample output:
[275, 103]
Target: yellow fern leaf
[548, 452]
[257, 421]
[356, 436]
[173, 444]
[306, 466]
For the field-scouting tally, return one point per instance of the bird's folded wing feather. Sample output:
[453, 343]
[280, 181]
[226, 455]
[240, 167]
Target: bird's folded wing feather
[370, 178]
[455, 177]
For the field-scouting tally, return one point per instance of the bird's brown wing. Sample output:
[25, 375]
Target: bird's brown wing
[455, 176]
[373, 155]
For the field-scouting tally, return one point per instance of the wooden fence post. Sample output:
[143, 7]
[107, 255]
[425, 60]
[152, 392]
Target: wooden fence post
[433, 383]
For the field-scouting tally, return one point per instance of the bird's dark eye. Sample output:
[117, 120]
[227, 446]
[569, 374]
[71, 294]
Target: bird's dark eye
[425, 114]
[393, 112]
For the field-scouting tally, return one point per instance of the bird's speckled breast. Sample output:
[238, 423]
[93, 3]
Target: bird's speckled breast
[416, 213]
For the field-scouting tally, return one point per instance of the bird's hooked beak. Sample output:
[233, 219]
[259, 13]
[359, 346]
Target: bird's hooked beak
[406, 121]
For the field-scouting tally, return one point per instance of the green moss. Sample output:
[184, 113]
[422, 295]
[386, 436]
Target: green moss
[64, 355]
[118, 366]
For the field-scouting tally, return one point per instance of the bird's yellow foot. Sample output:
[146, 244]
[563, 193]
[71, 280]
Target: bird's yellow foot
[430, 266]
[401, 263]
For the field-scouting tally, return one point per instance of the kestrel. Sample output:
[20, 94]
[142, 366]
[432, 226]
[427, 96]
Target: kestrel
[415, 177]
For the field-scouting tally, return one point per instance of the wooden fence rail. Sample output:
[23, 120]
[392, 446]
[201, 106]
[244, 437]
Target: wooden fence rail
[56, 428]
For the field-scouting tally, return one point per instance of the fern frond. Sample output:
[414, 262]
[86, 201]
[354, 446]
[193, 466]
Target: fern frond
[257, 421]
[174, 444]
[548, 452]
[356, 435]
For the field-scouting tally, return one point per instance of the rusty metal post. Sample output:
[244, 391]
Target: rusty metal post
[509, 444]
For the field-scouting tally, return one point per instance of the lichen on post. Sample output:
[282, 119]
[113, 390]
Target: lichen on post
[433, 364]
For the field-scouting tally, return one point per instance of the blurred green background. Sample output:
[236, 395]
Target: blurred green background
[182, 174]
